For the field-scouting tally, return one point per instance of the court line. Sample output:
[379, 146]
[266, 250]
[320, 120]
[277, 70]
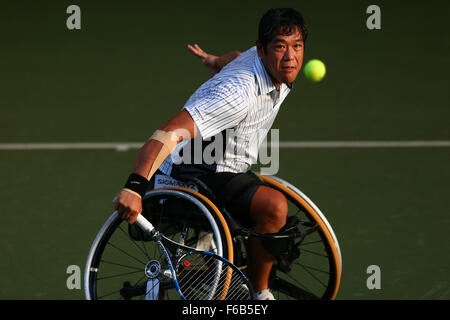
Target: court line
[366, 144]
[124, 146]
[119, 146]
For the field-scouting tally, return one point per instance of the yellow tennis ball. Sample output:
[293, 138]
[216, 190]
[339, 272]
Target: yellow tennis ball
[314, 70]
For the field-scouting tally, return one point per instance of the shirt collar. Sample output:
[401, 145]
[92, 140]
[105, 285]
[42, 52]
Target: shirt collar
[265, 84]
[263, 79]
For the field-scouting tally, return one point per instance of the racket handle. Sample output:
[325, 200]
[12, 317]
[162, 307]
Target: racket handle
[144, 224]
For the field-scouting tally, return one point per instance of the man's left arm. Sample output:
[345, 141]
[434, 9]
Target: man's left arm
[212, 62]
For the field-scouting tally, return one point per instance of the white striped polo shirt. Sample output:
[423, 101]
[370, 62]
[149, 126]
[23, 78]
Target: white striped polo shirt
[237, 105]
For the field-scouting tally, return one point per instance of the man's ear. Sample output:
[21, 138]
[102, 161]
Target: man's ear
[259, 48]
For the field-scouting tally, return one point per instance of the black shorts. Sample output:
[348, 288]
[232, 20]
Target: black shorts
[234, 192]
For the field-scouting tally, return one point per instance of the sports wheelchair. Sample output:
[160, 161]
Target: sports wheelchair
[307, 265]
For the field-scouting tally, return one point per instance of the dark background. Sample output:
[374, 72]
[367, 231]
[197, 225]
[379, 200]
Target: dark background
[128, 70]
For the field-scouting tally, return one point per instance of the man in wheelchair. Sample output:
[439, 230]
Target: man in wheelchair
[239, 102]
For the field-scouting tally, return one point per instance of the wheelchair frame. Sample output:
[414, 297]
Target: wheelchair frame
[232, 243]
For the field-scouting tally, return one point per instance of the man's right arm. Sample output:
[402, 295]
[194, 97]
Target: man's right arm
[128, 203]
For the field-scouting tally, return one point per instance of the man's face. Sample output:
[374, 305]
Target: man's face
[283, 58]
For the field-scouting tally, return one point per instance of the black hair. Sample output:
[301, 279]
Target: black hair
[280, 21]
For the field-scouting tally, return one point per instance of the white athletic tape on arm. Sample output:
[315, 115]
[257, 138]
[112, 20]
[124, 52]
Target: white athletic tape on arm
[169, 141]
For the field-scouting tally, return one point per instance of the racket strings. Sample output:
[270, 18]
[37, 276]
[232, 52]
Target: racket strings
[205, 277]
[193, 273]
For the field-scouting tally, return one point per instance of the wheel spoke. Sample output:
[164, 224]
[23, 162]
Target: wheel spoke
[314, 253]
[312, 275]
[134, 242]
[120, 265]
[311, 268]
[301, 285]
[310, 243]
[118, 275]
[126, 253]
[109, 294]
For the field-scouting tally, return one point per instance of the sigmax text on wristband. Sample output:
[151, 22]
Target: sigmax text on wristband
[137, 183]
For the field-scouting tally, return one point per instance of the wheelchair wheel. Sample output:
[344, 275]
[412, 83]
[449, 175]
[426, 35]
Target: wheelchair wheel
[314, 271]
[121, 256]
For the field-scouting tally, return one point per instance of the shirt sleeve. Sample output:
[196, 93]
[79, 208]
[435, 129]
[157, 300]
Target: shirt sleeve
[215, 107]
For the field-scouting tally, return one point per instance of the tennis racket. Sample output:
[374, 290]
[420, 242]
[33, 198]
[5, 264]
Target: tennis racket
[196, 274]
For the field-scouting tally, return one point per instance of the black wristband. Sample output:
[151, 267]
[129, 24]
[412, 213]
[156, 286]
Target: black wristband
[137, 183]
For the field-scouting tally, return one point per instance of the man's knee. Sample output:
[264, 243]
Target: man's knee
[269, 206]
